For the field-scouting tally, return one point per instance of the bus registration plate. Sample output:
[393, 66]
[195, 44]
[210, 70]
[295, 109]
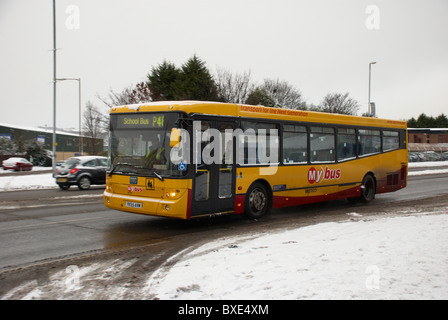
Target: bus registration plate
[134, 205]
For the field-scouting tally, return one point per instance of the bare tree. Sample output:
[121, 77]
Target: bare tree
[339, 103]
[95, 126]
[130, 95]
[284, 94]
[233, 87]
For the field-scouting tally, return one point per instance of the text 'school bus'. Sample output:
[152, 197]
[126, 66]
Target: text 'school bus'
[185, 159]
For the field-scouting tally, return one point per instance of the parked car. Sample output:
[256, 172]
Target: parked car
[82, 171]
[18, 164]
[59, 163]
[413, 157]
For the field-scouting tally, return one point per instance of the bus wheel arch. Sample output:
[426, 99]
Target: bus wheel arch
[258, 200]
[368, 188]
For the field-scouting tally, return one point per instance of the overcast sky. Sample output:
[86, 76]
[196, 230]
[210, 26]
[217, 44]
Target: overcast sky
[318, 46]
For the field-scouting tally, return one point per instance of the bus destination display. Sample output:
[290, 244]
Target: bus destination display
[141, 121]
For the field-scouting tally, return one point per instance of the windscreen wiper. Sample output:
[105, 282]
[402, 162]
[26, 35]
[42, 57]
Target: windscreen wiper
[119, 164]
[157, 175]
[134, 166]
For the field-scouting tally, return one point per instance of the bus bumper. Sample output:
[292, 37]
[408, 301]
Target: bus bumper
[173, 208]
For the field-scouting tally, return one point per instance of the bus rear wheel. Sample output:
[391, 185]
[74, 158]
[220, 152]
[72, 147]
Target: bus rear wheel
[368, 189]
[257, 202]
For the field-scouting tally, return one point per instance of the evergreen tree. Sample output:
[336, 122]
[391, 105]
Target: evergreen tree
[423, 121]
[441, 121]
[8, 146]
[412, 123]
[192, 81]
[37, 154]
[162, 81]
[195, 82]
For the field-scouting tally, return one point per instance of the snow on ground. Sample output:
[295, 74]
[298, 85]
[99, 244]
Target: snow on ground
[388, 258]
[367, 258]
[428, 164]
[425, 172]
[27, 182]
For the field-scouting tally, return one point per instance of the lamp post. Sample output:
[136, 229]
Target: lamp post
[79, 85]
[370, 80]
[54, 89]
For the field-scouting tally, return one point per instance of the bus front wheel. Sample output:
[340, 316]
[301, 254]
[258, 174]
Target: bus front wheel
[257, 202]
[368, 189]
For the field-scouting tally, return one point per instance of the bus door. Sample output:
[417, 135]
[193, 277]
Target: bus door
[214, 168]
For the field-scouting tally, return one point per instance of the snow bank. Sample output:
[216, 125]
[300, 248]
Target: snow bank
[426, 172]
[428, 164]
[390, 258]
[383, 258]
[27, 182]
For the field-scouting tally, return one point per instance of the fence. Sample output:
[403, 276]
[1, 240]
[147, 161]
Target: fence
[420, 147]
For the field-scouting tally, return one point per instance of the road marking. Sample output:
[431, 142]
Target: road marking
[51, 223]
[86, 197]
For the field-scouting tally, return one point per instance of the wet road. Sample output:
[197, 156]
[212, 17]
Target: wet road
[51, 224]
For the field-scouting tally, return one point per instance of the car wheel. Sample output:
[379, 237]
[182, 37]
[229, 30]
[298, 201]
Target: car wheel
[84, 183]
[63, 187]
[257, 202]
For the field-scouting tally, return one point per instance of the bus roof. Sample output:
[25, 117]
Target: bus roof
[258, 112]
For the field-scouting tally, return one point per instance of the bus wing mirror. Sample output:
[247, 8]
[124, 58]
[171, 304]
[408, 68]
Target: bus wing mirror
[174, 138]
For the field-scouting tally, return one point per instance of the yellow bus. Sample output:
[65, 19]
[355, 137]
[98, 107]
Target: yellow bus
[186, 159]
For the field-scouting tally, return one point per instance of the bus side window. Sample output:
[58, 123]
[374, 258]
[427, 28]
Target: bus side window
[322, 145]
[390, 140]
[346, 144]
[259, 143]
[295, 144]
[369, 142]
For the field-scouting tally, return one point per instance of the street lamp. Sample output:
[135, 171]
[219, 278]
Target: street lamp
[370, 80]
[79, 85]
[54, 89]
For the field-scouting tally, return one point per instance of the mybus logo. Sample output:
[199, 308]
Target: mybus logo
[319, 175]
[134, 189]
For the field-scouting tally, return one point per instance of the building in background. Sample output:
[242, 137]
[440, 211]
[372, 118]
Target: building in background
[68, 143]
[428, 139]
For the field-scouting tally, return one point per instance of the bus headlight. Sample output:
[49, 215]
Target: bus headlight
[172, 194]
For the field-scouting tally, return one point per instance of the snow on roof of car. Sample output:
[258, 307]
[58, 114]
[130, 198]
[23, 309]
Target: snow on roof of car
[86, 158]
[15, 159]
